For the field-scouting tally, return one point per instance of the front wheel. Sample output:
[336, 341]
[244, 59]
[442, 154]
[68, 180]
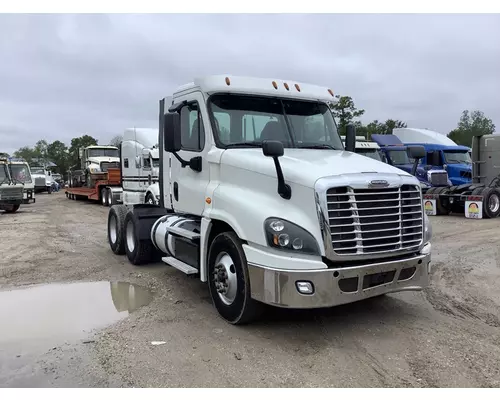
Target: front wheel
[150, 199]
[11, 209]
[229, 282]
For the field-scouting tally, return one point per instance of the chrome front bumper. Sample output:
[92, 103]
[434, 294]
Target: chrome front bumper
[335, 286]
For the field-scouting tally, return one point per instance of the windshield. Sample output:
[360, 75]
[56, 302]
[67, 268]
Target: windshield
[372, 153]
[38, 171]
[249, 120]
[20, 172]
[455, 157]
[156, 163]
[3, 174]
[103, 153]
[399, 157]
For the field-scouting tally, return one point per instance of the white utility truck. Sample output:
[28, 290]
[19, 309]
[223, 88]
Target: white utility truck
[140, 163]
[20, 172]
[260, 200]
[11, 190]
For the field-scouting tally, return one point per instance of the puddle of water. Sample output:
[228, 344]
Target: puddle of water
[65, 311]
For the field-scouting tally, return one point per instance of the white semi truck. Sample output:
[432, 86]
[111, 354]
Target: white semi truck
[260, 200]
[42, 177]
[140, 164]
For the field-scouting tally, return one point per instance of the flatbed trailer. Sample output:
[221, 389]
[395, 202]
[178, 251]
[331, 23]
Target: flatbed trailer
[107, 188]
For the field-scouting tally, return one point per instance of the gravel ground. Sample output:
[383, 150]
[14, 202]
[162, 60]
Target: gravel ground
[446, 336]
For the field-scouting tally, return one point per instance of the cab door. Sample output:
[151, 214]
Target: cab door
[189, 186]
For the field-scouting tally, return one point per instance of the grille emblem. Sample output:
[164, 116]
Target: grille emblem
[379, 183]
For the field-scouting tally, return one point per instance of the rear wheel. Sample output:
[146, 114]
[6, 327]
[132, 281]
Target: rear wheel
[229, 282]
[150, 199]
[440, 209]
[138, 251]
[110, 197]
[491, 202]
[116, 228]
[104, 197]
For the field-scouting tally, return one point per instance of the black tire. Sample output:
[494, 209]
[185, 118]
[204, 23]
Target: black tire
[491, 202]
[104, 197]
[440, 210]
[49, 190]
[143, 250]
[111, 199]
[116, 221]
[243, 308]
[150, 199]
[12, 209]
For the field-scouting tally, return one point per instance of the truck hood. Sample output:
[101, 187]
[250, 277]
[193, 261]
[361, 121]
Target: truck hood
[305, 166]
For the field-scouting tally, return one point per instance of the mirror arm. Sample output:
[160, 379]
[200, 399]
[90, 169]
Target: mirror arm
[284, 190]
[184, 163]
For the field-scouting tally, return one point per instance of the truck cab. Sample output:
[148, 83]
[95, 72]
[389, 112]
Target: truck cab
[140, 164]
[11, 189]
[261, 200]
[42, 177]
[441, 153]
[395, 153]
[367, 148]
[20, 171]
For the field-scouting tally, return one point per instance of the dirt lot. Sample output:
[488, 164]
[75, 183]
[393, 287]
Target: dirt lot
[59, 335]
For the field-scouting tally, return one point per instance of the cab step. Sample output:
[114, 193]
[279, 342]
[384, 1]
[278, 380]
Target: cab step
[181, 266]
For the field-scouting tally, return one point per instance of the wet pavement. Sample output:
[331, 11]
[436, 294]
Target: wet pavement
[41, 319]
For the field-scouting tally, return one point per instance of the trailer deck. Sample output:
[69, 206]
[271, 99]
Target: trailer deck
[107, 188]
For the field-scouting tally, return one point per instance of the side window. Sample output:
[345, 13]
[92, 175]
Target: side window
[146, 162]
[138, 162]
[125, 162]
[192, 131]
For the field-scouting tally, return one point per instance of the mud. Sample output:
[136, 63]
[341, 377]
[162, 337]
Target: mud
[446, 336]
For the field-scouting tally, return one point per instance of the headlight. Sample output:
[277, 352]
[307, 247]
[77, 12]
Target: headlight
[284, 235]
[427, 229]
[95, 170]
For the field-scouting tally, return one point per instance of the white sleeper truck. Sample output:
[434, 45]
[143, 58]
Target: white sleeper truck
[261, 200]
[140, 165]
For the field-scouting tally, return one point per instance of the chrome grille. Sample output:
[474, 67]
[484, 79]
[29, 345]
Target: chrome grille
[438, 178]
[105, 165]
[39, 181]
[11, 193]
[371, 221]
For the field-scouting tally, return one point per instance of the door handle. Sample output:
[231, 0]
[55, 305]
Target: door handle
[176, 191]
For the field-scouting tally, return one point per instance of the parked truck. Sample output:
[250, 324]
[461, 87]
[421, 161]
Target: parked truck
[11, 190]
[395, 153]
[366, 148]
[267, 212]
[99, 176]
[20, 171]
[441, 153]
[42, 177]
[480, 199]
[140, 163]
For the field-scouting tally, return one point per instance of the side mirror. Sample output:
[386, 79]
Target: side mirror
[415, 152]
[272, 148]
[172, 132]
[80, 152]
[350, 138]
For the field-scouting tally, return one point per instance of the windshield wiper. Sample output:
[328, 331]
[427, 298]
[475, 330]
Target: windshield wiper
[318, 146]
[17, 180]
[243, 144]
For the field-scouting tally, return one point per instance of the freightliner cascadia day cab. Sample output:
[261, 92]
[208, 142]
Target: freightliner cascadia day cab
[260, 200]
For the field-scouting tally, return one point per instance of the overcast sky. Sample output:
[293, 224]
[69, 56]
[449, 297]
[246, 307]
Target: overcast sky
[62, 76]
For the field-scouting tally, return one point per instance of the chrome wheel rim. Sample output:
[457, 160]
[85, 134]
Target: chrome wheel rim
[225, 279]
[494, 203]
[130, 236]
[103, 197]
[113, 229]
[110, 196]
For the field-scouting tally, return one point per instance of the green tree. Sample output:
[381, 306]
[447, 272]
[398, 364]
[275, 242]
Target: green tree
[116, 141]
[26, 152]
[57, 152]
[471, 124]
[3, 154]
[345, 112]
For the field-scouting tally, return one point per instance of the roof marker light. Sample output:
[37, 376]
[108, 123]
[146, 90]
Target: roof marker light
[275, 85]
[228, 82]
[330, 91]
[286, 86]
[297, 87]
